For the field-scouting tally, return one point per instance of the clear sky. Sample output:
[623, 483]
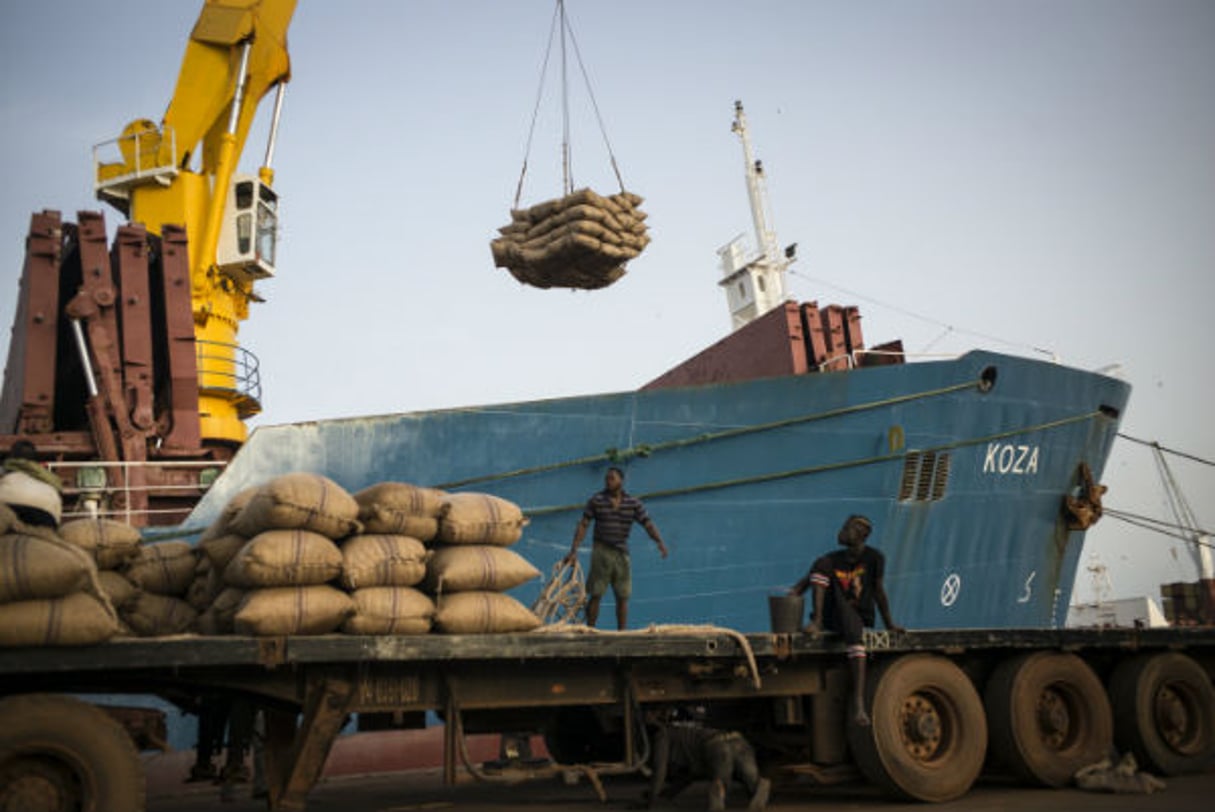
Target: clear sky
[1019, 176]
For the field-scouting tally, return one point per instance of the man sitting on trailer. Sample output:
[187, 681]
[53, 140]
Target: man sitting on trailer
[847, 584]
[685, 751]
[613, 511]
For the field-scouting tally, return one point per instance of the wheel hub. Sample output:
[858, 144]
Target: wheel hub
[921, 726]
[1173, 718]
[1054, 718]
[35, 785]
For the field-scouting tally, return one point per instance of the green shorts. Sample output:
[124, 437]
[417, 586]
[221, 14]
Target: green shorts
[609, 565]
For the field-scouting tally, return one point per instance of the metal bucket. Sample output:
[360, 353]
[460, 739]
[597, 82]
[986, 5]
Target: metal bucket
[786, 612]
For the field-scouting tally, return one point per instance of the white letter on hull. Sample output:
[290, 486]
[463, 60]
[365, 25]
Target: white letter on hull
[1005, 458]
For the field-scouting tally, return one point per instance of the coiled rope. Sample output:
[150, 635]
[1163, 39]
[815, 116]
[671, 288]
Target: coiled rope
[563, 597]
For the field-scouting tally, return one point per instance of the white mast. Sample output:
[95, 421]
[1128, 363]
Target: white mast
[754, 284]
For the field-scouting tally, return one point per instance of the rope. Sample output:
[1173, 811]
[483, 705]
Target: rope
[831, 466]
[561, 22]
[595, 106]
[646, 449]
[536, 109]
[1167, 450]
[563, 596]
[1164, 528]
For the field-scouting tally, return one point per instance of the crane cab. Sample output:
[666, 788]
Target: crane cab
[249, 233]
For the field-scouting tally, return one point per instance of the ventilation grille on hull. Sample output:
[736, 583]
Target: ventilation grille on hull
[925, 475]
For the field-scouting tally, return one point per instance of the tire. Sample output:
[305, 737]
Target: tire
[1164, 713]
[1048, 717]
[928, 735]
[57, 752]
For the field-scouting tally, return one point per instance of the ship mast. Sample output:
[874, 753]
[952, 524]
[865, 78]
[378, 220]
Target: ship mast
[754, 284]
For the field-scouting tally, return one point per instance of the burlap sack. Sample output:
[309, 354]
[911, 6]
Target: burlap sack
[78, 619]
[152, 615]
[293, 610]
[382, 560]
[219, 550]
[480, 518]
[34, 567]
[166, 568]
[284, 558]
[482, 613]
[118, 590]
[223, 522]
[204, 589]
[466, 567]
[390, 610]
[111, 543]
[220, 616]
[8, 519]
[401, 509]
[306, 501]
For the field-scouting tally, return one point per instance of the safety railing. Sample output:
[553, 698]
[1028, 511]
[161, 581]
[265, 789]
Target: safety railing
[229, 368]
[107, 489]
[137, 160]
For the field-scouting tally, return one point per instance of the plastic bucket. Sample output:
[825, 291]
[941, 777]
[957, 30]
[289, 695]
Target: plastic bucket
[786, 612]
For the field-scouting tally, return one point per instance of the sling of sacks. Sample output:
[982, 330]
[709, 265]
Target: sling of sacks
[582, 240]
[300, 555]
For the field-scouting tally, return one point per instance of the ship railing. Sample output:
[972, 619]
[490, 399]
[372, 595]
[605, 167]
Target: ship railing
[106, 489]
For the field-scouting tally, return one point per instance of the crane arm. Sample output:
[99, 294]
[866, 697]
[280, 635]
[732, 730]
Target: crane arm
[207, 84]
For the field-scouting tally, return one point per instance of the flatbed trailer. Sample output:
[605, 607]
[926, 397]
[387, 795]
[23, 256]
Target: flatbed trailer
[1036, 703]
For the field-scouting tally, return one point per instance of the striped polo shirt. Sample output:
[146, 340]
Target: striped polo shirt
[612, 524]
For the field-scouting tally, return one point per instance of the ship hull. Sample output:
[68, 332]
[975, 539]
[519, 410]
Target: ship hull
[961, 465]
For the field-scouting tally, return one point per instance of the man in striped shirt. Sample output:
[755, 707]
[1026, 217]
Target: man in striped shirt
[613, 511]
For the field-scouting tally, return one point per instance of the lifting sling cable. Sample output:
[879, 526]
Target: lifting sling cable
[531, 131]
[560, 21]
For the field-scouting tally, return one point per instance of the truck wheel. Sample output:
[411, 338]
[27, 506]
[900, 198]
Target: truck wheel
[928, 735]
[1164, 713]
[59, 753]
[1048, 717]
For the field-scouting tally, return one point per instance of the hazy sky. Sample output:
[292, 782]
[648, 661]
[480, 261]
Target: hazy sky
[1018, 176]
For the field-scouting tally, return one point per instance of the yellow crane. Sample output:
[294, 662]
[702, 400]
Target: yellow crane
[183, 172]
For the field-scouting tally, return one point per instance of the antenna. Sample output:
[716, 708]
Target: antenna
[754, 282]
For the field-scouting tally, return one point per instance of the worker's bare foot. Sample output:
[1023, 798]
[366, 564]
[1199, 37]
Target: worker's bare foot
[759, 801]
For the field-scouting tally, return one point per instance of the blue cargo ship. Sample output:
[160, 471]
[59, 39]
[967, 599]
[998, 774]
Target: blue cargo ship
[962, 465]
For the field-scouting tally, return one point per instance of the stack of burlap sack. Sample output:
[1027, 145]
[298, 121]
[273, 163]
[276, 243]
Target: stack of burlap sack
[296, 555]
[582, 240]
[50, 594]
[145, 583]
[300, 555]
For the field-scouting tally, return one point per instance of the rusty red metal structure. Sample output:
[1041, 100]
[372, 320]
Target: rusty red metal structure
[791, 339]
[102, 365]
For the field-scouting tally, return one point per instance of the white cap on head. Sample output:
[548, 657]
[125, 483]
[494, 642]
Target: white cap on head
[20, 489]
